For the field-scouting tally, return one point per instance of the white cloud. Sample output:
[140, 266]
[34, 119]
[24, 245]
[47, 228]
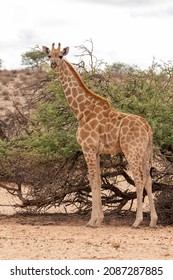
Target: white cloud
[128, 31]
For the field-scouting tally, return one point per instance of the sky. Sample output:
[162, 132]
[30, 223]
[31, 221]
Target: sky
[128, 31]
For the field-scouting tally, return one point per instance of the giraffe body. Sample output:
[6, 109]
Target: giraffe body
[103, 130]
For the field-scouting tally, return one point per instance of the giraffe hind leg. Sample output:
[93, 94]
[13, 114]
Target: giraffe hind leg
[142, 179]
[148, 187]
[138, 176]
[139, 212]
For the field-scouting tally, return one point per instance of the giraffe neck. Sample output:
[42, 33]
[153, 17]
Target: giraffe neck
[77, 94]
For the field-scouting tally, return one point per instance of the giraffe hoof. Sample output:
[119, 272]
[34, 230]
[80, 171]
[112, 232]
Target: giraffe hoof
[133, 226]
[95, 224]
[153, 223]
[153, 226]
[90, 226]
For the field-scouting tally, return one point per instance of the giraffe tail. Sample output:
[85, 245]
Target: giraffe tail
[153, 172]
[150, 153]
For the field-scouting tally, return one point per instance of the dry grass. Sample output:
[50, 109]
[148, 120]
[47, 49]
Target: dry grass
[16, 88]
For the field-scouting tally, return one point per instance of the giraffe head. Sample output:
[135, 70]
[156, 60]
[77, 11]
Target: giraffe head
[55, 55]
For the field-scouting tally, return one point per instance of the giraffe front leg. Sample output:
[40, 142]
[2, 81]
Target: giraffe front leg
[97, 213]
[93, 163]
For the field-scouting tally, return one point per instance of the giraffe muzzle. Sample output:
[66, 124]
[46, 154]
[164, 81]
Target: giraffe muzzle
[53, 65]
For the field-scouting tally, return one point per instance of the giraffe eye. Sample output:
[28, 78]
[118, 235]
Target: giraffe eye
[49, 56]
[60, 56]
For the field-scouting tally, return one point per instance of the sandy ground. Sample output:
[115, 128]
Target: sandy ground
[64, 236]
[61, 236]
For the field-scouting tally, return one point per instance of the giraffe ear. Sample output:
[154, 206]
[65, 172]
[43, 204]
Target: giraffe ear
[45, 50]
[65, 51]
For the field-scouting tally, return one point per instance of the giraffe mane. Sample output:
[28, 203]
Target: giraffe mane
[84, 86]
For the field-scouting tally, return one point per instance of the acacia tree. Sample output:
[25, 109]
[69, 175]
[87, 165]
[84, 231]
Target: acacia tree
[33, 58]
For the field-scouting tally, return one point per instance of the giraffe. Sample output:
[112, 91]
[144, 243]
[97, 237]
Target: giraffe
[103, 130]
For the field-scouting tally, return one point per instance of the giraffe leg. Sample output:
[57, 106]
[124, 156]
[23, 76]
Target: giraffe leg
[137, 173]
[93, 163]
[139, 212]
[139, 190]
[148, 187]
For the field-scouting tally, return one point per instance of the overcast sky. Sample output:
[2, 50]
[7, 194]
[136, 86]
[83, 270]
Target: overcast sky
[129, 31]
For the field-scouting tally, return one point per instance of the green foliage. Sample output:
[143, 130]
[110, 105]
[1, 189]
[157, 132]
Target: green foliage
[2, 147]
[148, 94]
[56, 126]
[33, 58]
[52, 128]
